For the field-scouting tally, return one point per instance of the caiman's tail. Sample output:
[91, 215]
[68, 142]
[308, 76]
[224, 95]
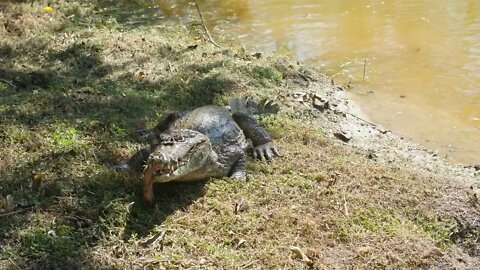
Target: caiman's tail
[253, 106]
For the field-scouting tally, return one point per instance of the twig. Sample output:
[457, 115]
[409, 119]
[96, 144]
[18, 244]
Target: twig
[8, 82]
[18, 267]
[345, 205]
[248, 264]
[205, 27]
[364, 67]
[361, 119]
[156, 238]
[16, 211]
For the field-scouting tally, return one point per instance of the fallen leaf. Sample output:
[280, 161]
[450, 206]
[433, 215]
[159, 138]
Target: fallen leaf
[300, 254]
[240, 206]
[240, 243]
[362, 251]
[432, 253]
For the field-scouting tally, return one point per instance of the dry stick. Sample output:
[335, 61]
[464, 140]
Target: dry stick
[364, 67]
[361, 119]
[248, 264]
[205, 27]
[156, 238]
[345, 204]
[8, 82]
[18, 267]
[15, 212]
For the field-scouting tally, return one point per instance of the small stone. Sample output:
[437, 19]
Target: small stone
[321, 103]
[342, 136]
[371, 155]
[257, 55]
[383, 130]
[363, 251]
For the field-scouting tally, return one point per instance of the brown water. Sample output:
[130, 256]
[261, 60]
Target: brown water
[422, 72]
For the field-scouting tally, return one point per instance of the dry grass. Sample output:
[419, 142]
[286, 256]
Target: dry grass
[70, 100]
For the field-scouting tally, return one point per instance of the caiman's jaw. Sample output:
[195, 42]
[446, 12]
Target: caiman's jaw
[179, 154]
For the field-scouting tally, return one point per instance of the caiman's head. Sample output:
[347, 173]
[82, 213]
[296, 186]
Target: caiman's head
[180, 155]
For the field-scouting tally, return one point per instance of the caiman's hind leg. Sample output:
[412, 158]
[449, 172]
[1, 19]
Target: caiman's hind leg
[239, 169]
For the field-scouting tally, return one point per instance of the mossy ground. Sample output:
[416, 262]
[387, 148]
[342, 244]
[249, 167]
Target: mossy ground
[74, 87]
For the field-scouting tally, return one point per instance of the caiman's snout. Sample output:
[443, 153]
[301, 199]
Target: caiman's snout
[155, 157]
[176, 153]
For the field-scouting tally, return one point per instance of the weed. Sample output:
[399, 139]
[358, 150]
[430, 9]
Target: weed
[436, 230]
[267, 76]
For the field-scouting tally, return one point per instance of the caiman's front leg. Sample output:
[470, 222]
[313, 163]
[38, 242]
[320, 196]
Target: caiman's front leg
[264, 148]
[239, 169]
[136, 162]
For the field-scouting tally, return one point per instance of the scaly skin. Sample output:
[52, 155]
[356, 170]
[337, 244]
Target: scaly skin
[207, 142]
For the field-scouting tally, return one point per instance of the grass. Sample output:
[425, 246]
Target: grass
[70, 102]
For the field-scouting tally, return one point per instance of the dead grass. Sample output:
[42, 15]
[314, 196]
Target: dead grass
[70, 100]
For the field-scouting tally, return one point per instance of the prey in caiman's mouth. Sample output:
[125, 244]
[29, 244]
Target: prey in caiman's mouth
[180, 155]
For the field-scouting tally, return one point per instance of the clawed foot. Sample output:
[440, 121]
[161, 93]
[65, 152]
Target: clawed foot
[240, 175]
[266, 151]
[143, 135]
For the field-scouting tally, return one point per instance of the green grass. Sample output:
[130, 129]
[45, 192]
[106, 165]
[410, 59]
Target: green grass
[69, 119]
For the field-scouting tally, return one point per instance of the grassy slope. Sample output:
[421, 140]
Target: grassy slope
[74, 87]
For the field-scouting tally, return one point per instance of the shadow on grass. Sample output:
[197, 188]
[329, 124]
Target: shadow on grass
[170, 197]
[78, 198]
[70, 215]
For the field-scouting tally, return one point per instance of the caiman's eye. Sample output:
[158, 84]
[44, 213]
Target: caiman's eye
[166, 139]
[178, 138]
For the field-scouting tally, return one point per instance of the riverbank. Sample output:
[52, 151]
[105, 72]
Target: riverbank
[75, 85]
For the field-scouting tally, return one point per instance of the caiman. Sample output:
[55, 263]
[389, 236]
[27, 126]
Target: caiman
[208, 142]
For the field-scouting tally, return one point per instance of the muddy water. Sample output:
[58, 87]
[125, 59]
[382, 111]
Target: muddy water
[414, 64]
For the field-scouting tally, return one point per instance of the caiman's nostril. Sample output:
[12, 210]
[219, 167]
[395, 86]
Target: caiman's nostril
[158, 158]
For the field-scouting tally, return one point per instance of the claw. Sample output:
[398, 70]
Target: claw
[268, 153]
[259, 154]
[121, 167]
[275, 151]
[255, 155]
